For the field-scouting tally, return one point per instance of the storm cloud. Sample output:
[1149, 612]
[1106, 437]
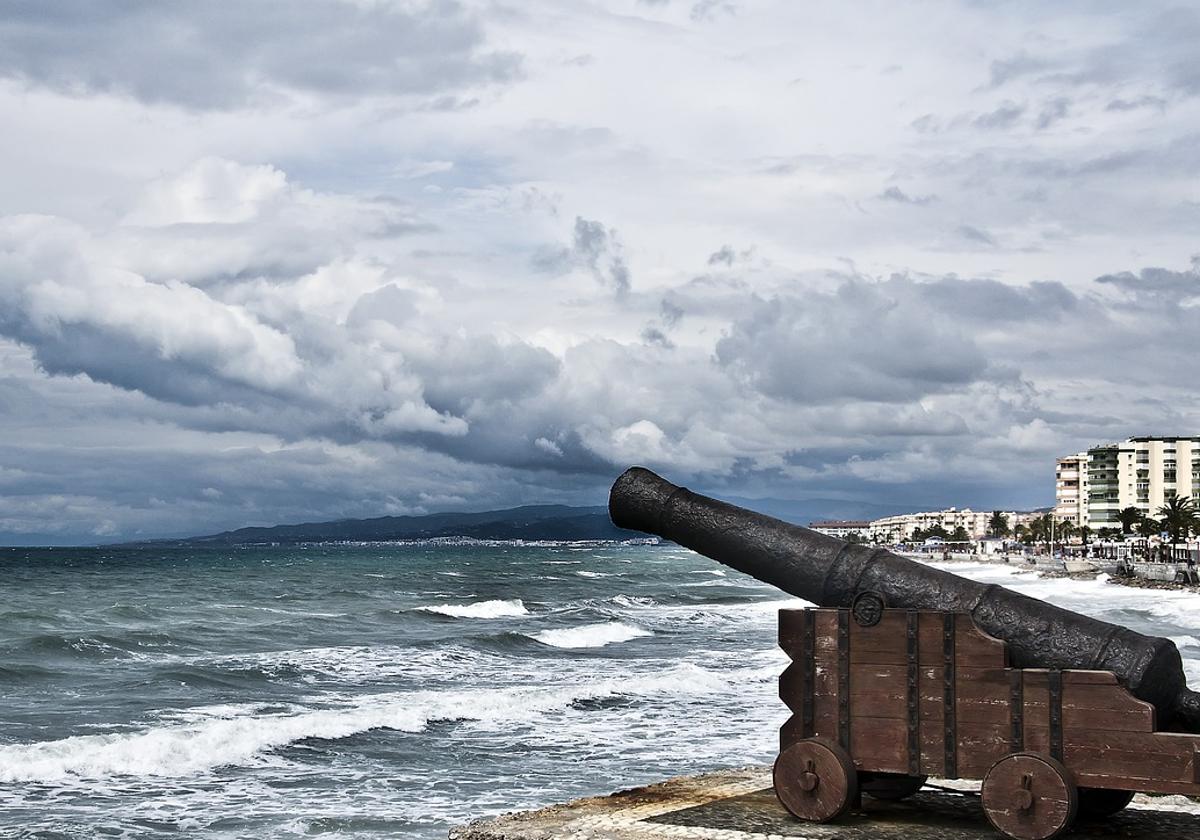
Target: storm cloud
[217, 55]
[366, 258]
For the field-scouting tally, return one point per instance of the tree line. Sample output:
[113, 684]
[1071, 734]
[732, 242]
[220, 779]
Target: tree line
[1178, 517]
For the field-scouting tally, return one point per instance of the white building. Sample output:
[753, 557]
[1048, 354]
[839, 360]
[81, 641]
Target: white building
[892, 529]
[1140, 472]
[842, 528]
[1071, 489]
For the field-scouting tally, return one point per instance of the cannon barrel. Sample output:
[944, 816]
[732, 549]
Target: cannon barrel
[831, 573]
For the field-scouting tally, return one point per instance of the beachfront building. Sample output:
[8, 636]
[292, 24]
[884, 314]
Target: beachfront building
[893, 529]
[842, 528]
[1071, 489]
[1140, 472]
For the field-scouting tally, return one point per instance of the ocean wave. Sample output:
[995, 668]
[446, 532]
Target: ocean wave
[81, 647]
[635, 601]
[476, 542]
[23, 672]
[480, 609]
[587, 574]
[239, 735]
[590, 635]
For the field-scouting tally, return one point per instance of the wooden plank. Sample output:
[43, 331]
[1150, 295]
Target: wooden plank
[1154, 768]
[791, 631]
[1090, 704]
[980, 745]
[973, 647]
[791, 687]
[879, 745]
[884, 643]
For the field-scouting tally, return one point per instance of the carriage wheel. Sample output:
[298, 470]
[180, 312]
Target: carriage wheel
[890, 786]
[1029, 796]
[815, 780]
[1095, 803]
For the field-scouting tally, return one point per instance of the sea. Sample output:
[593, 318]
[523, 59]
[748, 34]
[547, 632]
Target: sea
[395, 690]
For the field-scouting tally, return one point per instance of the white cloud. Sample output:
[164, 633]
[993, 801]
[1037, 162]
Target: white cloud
[448, 263]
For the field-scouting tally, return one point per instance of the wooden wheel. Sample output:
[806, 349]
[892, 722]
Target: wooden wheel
[1029, 796]
[815, 780]
[890, 786]
[1095, 803]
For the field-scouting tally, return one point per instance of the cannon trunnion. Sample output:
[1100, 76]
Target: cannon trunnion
[882, 698]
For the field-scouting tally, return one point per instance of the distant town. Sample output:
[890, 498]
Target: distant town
[1118, 505]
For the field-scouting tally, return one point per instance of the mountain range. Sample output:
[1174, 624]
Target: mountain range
[530, 522]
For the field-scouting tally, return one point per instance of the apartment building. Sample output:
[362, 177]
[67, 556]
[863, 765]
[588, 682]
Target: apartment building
[897, 528]
[842, 528]
[1141, 472]
[1071, 489]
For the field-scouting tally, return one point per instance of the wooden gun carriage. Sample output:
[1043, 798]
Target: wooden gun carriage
[882, 698]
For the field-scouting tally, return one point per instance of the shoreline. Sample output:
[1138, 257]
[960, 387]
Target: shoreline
[740, 804]
[1134, 581]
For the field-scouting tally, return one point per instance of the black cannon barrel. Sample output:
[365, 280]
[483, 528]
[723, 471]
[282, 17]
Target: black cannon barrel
[830, 573]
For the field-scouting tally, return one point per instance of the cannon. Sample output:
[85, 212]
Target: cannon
[902, 671]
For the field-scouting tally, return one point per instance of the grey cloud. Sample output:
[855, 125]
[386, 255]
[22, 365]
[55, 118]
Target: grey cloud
[984, 301]
[723, 256]
[894, 193]
[710, 9]
[220, 55]
[1156, 46]
[976, 235]
[1158, 282]
[653, 335]
[1145, 101]
[877, 383]
[925, 124]
[671, 313]
[1016, 67]
[1053, 111]
[593, 247]
[463, 374]
[1005, 116]
[865, 342]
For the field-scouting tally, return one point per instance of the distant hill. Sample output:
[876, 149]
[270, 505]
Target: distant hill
[532, 522]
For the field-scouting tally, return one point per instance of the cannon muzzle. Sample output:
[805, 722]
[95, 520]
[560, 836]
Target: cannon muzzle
[831, 573]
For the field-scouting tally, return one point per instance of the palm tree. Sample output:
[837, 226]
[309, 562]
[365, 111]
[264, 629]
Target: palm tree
[1064, 531]
[998, 524]
[1148, 527]
[1129, 517]
[1179, 516]
[1039, 529]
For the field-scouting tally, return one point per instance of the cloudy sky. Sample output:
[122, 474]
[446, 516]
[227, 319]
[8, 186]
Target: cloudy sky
[266, 262]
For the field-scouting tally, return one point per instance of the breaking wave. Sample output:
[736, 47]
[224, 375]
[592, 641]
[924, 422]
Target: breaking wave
[480, 609]
[590, 635]
[240, 735]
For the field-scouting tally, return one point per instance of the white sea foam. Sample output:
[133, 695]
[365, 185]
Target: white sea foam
[635, 601]
[590, 635]
[587, 574]
[480, 609]
[246, 734]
